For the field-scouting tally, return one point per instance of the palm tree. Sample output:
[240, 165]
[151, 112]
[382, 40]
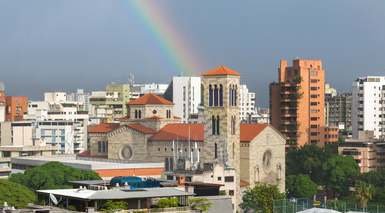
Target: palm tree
[364, 193]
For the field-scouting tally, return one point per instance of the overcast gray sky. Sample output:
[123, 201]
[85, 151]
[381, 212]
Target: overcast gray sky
[67, 44]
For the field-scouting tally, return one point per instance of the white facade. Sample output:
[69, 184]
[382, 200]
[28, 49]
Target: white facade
[368, 101]
[55, 97]
[80, 97]
[69, 112]
[75, 140]
[186, 96]
[59, 134]
[247, 104]
[138, 90]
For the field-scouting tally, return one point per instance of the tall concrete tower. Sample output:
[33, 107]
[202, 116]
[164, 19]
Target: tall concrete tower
[221, 121]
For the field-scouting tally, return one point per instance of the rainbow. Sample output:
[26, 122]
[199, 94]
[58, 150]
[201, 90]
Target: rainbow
[169, 39]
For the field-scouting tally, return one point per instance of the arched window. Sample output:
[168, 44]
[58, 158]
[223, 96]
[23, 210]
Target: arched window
[236, 95]
[220, 95]
[213, 124]
[230, 95]
[210, 95]
[202, 95]
[217, 127]
[140, 114]
[136, 113]
[215, 95]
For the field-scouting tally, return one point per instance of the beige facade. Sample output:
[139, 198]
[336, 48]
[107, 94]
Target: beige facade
[263, 159]
[369, 154]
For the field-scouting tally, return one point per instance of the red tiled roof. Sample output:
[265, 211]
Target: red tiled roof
[141, 128]
[150, 98]
[250, 131]
[102, 128]
[221, 70]
[180, 132]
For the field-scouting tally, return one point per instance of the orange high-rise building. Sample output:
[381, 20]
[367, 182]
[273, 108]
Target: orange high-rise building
[297, 103]
[16, 106]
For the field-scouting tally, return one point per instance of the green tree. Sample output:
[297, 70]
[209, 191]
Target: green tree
[52, 175]
[307, 160]
[376, 179]
[340, 173]
[260, 198]
[168, 202]
[15, 194]
[300, 186]
[113, 206]
[201, 204]
[363, 193]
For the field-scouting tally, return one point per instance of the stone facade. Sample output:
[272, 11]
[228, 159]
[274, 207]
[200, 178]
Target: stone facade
[222, 148]
[263, 159]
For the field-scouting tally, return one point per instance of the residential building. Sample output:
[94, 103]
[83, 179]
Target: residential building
[297, 102]
[368, 111]
[138, 90]
[112, 103]
[338, 113]
[16, 107]
[59, 134]
[80, 97]
[55, 97]
[68, 112]
[262, 116]
[329, 91]
[246, 104]
[369, 153]
[185, 93]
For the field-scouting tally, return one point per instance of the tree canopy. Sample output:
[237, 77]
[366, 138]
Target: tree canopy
[300, 186]
[15, 194]
[52, 175]
[340, 173]
[260, 198]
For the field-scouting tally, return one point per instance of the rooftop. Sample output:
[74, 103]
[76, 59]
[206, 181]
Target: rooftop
[150, 99]
[71, 160]
[116, 193]
[250, 131]
[221, 70]
[180, 132]
[102, 128]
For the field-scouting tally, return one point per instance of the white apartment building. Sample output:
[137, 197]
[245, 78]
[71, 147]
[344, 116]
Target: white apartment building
[70, 112]
[186, 96]
[61, 115]
[247, 104]
[55, 97]
[368, 105]
[138, 90]
[80, 97]
[58, 134]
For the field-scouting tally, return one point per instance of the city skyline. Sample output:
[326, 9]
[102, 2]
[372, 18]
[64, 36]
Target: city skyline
[64, 45]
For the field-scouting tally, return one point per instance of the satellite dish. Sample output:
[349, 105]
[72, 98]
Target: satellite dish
[53, 199]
